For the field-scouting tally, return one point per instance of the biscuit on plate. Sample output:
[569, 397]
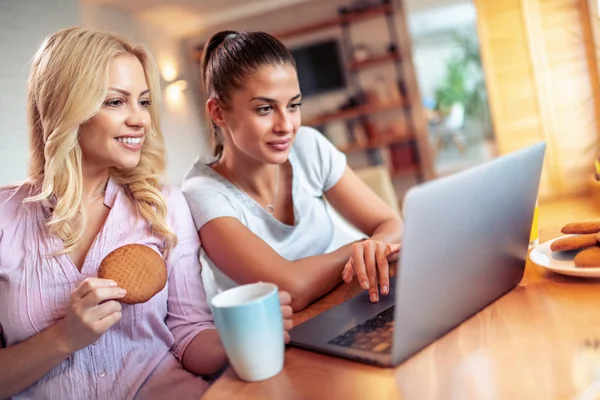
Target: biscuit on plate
[136, 268]
[576, 242]
[582, 227]
[589, 257]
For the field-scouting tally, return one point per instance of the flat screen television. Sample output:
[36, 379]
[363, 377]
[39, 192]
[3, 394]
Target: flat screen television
[320, 67]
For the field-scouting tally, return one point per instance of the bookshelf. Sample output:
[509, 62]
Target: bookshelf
[380, 141]
[354, 112]
[372, 12]
[379, 147]
[373, 61]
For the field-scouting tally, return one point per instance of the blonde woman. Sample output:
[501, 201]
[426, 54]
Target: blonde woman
[97, 156]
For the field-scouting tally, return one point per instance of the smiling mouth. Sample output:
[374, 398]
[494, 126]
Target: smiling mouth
[130, 140]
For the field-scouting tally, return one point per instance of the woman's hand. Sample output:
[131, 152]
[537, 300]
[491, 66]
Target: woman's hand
[369, 258]
[93, 309]
[286, 311]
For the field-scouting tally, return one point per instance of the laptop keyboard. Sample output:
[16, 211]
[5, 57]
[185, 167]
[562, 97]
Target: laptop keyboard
[375, 334]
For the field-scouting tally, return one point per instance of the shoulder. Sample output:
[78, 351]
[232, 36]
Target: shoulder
[209, 196]
[199, 178]
[322, 162]
[308, 139]
[201, 184]
[173, 196]
[12, 196]
[178, 211]
[311, 145]
[13, 209]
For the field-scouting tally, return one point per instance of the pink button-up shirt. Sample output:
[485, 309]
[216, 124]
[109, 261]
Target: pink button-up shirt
[137, 357]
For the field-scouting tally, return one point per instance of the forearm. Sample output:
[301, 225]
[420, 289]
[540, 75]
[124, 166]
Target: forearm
[205, 354]
[252, 259]
[317, 275]
[25, 363]
[390, 231]
[314, 276]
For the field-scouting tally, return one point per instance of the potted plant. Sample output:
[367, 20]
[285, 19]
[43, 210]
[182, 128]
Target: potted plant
[464, 82]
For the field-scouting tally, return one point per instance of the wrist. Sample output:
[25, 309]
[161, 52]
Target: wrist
[63, 344]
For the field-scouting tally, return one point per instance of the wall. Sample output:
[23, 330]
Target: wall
[542, 84]
[182, 125]
[23, 26]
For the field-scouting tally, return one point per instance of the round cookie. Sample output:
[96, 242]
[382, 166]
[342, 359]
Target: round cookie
[574, 242]
[136, 268]
[589, 257]
[582, 227]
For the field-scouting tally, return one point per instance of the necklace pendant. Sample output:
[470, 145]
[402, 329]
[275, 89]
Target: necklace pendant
[270, 208]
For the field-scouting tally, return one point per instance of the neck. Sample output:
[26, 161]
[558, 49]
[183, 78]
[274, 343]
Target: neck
[254, 176]
[94, 182]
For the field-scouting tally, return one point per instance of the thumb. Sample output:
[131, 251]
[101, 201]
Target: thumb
[392, 248]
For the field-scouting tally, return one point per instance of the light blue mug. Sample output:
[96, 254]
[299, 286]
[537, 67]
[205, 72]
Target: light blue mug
[250, 325]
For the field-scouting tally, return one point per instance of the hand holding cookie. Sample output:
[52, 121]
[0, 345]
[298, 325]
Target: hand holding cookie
[138, 269]
[93, 309]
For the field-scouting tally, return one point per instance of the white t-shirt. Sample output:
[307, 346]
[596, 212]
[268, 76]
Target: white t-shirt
[317, 166]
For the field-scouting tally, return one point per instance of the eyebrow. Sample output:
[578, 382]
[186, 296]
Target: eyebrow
[126, 93]
[269, 100]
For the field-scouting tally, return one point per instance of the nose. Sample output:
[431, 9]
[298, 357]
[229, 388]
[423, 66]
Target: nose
[283, 122]
[138, 117]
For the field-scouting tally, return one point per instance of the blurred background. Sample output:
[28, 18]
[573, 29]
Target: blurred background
[410, 90]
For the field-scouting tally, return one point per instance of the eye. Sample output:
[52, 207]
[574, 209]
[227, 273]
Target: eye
[145, 103]
[295, 106]
[264, 110]
[113, 102]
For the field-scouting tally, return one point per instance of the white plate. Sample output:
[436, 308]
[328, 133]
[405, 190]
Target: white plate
[560, 261]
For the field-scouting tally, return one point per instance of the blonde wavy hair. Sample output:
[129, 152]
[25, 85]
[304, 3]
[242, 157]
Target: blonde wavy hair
[68, 84]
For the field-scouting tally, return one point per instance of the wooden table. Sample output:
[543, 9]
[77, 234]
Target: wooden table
[526, 345]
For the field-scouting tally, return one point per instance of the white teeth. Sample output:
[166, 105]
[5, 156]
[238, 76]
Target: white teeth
[129, 140]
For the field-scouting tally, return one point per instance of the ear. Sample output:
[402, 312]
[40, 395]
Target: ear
[213, 108]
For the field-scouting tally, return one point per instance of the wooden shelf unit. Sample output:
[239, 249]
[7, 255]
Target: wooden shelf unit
[351, 113]
[373, 143]
[404, 172]
[343, 19]
[363, 113]
[374, 61]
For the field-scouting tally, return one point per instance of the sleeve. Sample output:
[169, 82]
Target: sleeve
[328, 164]
[2, 342]
[188, 312]
[206, 203]
[5, 194]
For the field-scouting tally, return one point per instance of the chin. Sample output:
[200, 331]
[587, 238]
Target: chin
[278, 158]
[128, 164]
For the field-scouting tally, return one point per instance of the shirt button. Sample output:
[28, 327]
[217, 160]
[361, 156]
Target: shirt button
[102, 374]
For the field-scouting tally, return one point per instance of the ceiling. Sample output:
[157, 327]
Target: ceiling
[193, 16]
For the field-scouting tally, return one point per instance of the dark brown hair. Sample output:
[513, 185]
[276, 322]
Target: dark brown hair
[229, 58]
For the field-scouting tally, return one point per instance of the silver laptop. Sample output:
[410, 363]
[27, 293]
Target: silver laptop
[465, 245]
